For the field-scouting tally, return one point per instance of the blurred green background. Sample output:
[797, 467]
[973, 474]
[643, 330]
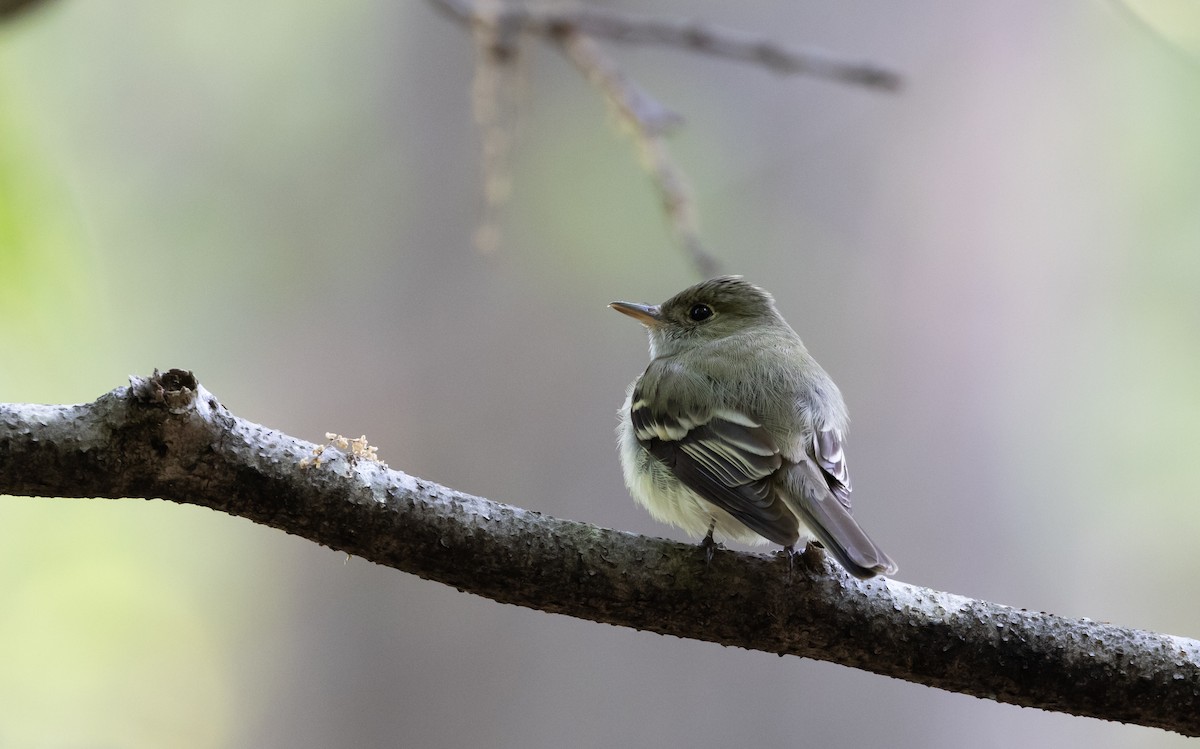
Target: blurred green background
[1000, 266]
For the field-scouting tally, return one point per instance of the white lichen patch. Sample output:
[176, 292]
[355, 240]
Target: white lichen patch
[354, 449]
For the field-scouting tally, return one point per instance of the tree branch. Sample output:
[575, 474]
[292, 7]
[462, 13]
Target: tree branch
[649, 122]
[166, 437]
[693, 36]
[500, 25]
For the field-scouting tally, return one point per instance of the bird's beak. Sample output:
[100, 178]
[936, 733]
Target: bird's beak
[646, 314]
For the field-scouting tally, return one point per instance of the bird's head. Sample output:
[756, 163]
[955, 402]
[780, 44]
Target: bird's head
[700, 314]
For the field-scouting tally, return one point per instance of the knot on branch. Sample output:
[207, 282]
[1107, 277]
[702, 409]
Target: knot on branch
[175, 388]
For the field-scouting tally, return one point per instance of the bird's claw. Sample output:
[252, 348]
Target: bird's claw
[709, 544]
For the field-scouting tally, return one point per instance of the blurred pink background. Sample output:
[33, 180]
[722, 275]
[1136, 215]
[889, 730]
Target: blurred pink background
[1000, 266]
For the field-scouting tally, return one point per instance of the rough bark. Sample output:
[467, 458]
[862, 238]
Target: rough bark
[166, 437]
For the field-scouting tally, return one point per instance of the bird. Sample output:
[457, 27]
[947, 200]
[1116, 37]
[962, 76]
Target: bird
[735, 430]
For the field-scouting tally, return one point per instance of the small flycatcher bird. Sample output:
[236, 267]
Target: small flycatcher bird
[735, 429]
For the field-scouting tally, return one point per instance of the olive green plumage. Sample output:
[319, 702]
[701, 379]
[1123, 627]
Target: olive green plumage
[735, 429]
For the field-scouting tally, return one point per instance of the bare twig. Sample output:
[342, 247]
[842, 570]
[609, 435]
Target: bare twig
[694, 36]
[648, 121]
[631, 100]
[495, 97]
[499, 25]
[166, 437]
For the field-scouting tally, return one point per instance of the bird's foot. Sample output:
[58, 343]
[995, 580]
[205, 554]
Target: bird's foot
[812, 557]
[708, 544]
[790, 553]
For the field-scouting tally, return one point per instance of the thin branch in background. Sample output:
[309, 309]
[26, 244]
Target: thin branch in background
[636, 106]
[648, 122]
[497, 95]
[693, 36]
[677, 202]
[498, 26]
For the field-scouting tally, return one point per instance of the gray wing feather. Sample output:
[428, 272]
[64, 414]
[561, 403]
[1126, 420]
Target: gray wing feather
[733, 462]
[828, 452]
[726, 459]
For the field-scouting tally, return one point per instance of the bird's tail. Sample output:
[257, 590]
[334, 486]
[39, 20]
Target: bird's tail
[810, 498]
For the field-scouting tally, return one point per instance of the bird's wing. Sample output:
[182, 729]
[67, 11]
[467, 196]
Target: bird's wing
[827, 451]
[722, 455]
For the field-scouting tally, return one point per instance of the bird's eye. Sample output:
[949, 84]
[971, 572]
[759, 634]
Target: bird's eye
[700, 312]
